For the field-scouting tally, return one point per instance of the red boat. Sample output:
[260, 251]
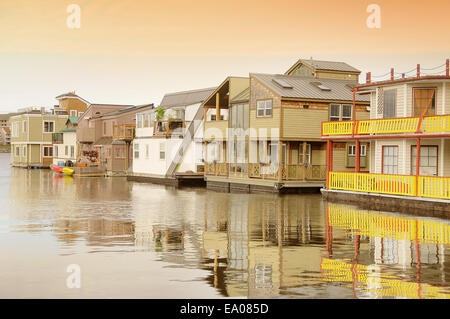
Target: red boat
[57, 169]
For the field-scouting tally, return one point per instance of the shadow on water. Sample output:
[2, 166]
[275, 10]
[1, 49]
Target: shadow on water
[246, 245]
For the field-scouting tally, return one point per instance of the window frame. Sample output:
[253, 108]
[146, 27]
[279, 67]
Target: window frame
[48, 147]
[395, 103]
[264, 109]
[382, 158]
[424, 88]
[414, 158]
[43, 126]
[341, 112]
[136, 150]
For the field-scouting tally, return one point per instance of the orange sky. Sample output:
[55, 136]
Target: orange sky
[134, 51]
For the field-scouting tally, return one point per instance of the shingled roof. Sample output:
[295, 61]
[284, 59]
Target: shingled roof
[185, 98]
[301, 87]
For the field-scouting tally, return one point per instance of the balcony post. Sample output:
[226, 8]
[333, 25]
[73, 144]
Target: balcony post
[329, 162]
[447, 67]
[418, 70]
[357, 156]
[217, 107]
[417, 166]
[392, 74]
[354, 112]
[304, 160]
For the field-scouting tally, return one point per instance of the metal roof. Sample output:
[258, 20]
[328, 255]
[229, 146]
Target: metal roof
[326, 65]
[308, 88]
[185, 97]
[244, 96]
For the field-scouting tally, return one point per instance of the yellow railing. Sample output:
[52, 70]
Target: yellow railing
[373, 183]
[434, 187]
[434, 124]
[376, 224]
[337, 128]
[429, 124]
[386, 126]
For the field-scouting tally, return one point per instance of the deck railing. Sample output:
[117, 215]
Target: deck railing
[373, 183]
[429, 124]
[123, 131]
[428, 186]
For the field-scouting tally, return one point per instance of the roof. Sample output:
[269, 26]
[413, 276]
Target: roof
[185, 97]
[125, 109]
[325, 65]
[244, 96]
[308, 88]
[70, 95]
[73, 120]
[105, 140]
[72, 129]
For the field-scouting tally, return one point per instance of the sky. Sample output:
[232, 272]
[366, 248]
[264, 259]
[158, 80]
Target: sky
[135, 51]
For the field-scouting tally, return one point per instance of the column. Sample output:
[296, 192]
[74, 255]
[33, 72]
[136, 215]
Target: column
[217, 107]
[304, 160]
[357, 156]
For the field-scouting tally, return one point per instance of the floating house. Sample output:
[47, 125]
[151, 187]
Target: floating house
[408, 131]
[32, 131]
[168, 143]
[104, 135]
[266, 137]
[65, 144]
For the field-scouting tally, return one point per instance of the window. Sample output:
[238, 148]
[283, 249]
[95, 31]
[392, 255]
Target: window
[213, 117]
[341, 112]
[140, 120]
[66, 150]
[17, 151]
[264, 108]
[308, 154]
[91, 123]
[136, 151]
[389, 103]
[118, 152]
[424, 101]
[352, 150]
[162, 151]
[390, 160]
[428, 160]
[24, 151]
[48, 151]
[15, 131]
[72, 151]
[24, 126]
[73, 112]
[49, 127]
[55, 150]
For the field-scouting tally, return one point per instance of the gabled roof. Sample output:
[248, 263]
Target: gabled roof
[244, 96]
[71, 95]
[126, 109]
[300, 87]
[185, 98]
[324, 65]
[73, 120]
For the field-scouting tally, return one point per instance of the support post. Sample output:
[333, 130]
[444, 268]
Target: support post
[217, 107]
[357, 156]
[280, 161]
[329, 162]
[417, 166]
[392, 74]
[304, 160]
[418, 70]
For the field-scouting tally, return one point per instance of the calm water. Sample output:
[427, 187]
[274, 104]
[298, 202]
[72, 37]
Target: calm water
[136, 240]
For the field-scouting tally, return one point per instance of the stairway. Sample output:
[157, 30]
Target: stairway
[188, 138]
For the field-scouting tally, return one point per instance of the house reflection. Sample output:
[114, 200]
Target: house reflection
[414, 246]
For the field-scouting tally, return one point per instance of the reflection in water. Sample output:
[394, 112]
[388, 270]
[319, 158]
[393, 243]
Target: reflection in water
[250, 245]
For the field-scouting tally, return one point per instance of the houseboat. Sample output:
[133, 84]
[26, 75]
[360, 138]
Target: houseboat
[409, 133]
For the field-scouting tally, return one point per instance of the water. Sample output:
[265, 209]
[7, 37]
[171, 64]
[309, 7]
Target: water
[135, 240]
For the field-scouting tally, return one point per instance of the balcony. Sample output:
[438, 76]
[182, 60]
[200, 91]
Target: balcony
[406, 185]
[169, 128]
[216, 130]
[123, 131]
[57, 138]
[406, 125]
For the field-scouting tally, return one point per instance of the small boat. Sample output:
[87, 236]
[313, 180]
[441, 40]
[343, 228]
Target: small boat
[57, 169]
[68, 171]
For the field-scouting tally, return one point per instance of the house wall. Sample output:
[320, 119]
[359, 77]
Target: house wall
[69, 139]
[404, 154]
[73, 104]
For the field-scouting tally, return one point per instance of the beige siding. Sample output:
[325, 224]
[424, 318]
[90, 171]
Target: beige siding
[260, 126]
[215, 130]
[446, 158]
[259, 92]
[340, 158]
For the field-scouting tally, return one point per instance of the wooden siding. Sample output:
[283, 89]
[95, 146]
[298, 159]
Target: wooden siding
[260, 92]
[215, 130]
[266, 124]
